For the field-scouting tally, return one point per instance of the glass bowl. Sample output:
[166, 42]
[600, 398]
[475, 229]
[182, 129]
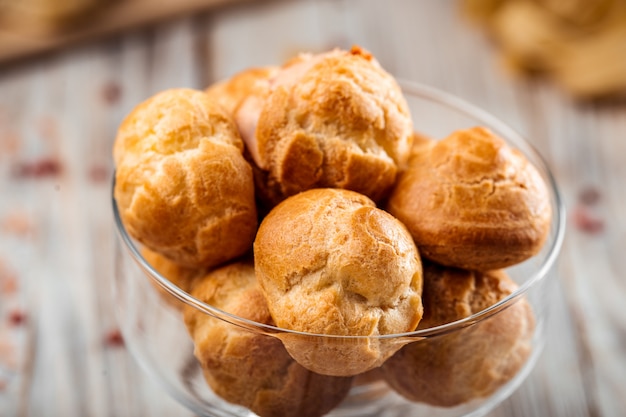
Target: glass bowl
[149, 309]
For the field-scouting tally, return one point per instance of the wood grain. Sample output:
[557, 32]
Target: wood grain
[66, 107]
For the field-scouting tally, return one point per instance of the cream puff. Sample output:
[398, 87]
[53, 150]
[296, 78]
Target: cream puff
[335, 119]
[182, 185]
[456, 367]
[247, 367]
[472, 201]
[329, 262]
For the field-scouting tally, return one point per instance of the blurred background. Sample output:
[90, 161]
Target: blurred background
[70, 70]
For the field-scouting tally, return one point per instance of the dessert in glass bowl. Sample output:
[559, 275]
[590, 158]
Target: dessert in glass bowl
[320, 239]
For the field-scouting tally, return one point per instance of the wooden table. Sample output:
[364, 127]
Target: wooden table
[60, 354]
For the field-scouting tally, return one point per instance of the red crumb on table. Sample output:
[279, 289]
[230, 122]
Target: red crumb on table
[8, 279]
[9, 143]
[586, 221]
[7, 353]
[8, 284]
[111, 92]
[17, 318]
[99, 174]
[114, 338]
[41, 168]
[48, 128]
[17, 223]
[3, 384]
[589, 196]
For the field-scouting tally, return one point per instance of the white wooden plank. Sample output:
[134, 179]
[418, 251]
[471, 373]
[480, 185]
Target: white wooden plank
[75, 373]
[268, 34]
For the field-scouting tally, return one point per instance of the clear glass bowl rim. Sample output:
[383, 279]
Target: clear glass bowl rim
[424, 92]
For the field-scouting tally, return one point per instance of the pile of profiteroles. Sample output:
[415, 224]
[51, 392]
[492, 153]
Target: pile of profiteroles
[302, 197]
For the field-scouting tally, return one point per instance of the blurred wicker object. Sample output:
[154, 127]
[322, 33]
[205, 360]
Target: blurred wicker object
[28, 27]
[40, 17]
[581, 44]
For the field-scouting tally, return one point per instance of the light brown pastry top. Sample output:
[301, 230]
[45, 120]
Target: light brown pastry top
[474, 362]
[332, 120]
[420, 142]
[330, 262]
[232, 288]
[230, 93]
[471, 201]
[452, 294]
[248, 368]
[242, 95]
[182, 187]
[171, 122]
[181, 276]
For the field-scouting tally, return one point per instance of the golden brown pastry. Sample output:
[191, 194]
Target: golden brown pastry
[229, 93]
[420, 140]
[182, 186]
[183, 277]
[330, 262]
[242, 95]
[335, 119]
[369, 377]
[248, 368]
[457, 367]
[473, 202]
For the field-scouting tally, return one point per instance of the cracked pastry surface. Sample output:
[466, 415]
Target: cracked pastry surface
[471, 201]
[474, 362]
[273, 384]
[243, 95]
[183, 187]
[330, 262]
[335, 119]
[231, 92]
